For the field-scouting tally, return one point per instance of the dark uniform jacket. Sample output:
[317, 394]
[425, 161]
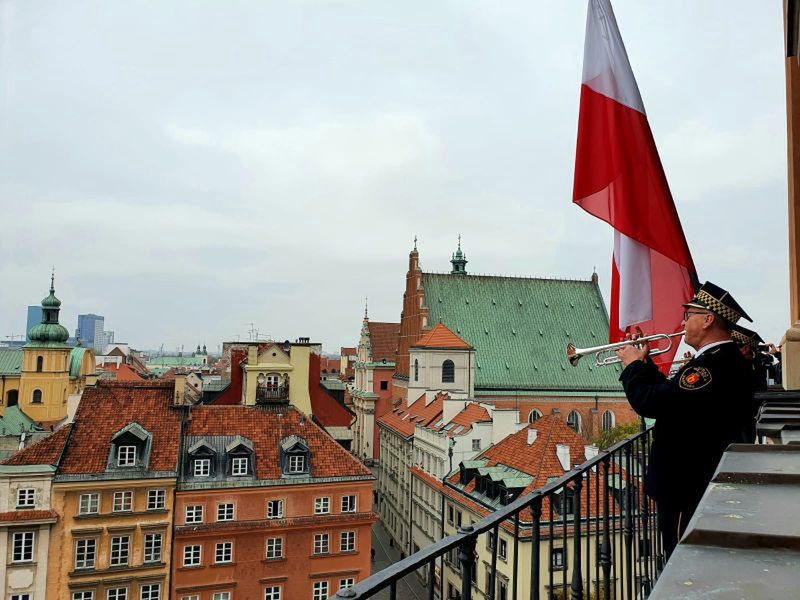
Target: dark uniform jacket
[703, 408]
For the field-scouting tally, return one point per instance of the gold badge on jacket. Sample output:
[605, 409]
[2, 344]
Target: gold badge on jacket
[695, 378]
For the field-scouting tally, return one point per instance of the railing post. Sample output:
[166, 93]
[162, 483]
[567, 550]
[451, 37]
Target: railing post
[466, 556]
[577, 578]
[536, 513]
[605, 544]
[648, 549]
[628, 523]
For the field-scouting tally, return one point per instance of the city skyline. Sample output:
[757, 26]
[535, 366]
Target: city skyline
[261, 170]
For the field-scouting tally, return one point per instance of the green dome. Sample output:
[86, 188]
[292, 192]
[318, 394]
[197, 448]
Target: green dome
[51, 301]
[48, 333]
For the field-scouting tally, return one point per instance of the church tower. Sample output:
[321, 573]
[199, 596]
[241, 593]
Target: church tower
[459, 261]
[44, 381]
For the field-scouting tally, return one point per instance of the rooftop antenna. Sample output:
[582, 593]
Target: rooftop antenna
[415, 241]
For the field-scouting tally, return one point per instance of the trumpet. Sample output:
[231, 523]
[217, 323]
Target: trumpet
[575, 354]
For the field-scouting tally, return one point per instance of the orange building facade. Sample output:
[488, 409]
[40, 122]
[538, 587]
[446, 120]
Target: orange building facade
[268, 506]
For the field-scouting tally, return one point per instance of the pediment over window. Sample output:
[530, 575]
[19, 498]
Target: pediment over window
[294, 443]
[201, 448]
[295, 456]
[239, 446]
[130, 448]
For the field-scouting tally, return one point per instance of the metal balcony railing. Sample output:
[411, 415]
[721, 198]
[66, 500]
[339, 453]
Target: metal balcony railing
[596, 513]
[270, 395]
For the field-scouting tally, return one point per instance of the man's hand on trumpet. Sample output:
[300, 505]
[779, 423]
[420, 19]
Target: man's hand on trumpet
[633, 352]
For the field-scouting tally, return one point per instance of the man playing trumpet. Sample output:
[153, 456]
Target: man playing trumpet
[703, 408]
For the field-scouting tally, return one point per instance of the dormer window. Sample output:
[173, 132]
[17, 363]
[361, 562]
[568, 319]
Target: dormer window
[126, 456]
[130, 448]
[240, 457]
[295, 456]
[201, 459]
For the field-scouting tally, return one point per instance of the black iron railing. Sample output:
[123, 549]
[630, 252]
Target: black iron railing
[267, 394]
[596, 514]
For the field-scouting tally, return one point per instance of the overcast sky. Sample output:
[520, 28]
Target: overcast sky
[191, 167]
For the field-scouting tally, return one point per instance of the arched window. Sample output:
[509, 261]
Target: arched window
[448, 372]
[574, 421]
[37, 397]
[608, 420]
[39, 364]
[416, 370]
[534, 415]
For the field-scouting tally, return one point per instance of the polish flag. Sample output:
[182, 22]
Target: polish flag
[619, 178]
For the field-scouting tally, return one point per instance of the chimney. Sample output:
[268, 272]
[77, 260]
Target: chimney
[180, 389]
[562, 451]
[590, 452]
[532, 433]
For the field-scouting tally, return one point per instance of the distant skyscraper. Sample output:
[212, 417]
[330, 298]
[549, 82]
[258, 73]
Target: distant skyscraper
[91, 332]
[34, 318]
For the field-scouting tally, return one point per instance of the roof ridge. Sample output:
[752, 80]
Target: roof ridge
[502, 276]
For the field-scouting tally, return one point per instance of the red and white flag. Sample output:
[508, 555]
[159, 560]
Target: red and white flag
[619, 178]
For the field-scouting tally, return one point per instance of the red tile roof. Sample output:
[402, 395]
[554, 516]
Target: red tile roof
[28, 515]
[441, 337]
[403, 418]
[327, 410]
[122, 372]
[347, 351]
[266, 429]
[108, 407]
[383, 338]
[44, 452]
[472, 413]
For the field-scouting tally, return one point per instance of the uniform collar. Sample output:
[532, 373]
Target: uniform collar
[712, 345]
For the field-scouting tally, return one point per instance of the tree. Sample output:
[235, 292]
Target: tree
[616, 434]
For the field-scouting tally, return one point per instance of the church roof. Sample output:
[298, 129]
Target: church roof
[441, 337]
[10, 361]
[520, 328]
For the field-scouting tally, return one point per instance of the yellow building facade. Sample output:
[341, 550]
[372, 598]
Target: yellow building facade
[278, 372]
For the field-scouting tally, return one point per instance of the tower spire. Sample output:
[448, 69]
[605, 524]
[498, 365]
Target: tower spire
[459, 260]
[366, 307]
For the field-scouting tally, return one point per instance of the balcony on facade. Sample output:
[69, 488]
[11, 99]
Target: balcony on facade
[266, 394]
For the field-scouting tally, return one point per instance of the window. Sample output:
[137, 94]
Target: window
[347, 541]
[123, 502]
[502, 590]
[156, 499]
[416, 369]
[384, 385]
[39, 364]
[225, 512]
[224, 552]
[272, 592]
[20, 597]
[534, 416]
[239, 466]
[450, 514]
[274, 548]
[346, 583]
[26, 498]
[297, 463]
[608, 420]
[320, 590]
[190, 597]
[87, 595]
[194, 514]
[348, 504]
[476, 444]
[126, 456]
[275, 509]
[85, 553]
[448, 372]
[22, 544]
[502, 551]
[322, 506]
[117, 594]
[152, 547]
[221, 596]
[574, 421]
[191, 556]
[150, 591]
[557, 559]
[120, 548]
[321, 543]
[37, 397]
[88, 504]
[202, 467]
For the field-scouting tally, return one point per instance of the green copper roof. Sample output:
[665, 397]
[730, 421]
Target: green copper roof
[49, 333]
[520, 329]
[176, 361]
[14, 422]
[75, 361]
[333, 384]
[10, 361]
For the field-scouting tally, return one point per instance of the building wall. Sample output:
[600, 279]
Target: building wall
[250, 571]
[29, 577]
[62, 576]
[430, 371]
[295, 365]
[53, 381]
[414, 316]
[394, 486]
